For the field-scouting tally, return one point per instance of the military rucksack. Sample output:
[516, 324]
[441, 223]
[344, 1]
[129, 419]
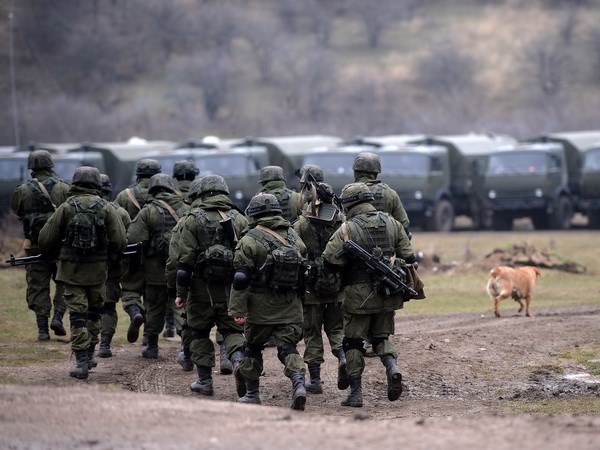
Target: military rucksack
[161, 237]
[378, 191]
[322, 282]
[284, 197]
[42, 207]
[285, 268]
[85, 238]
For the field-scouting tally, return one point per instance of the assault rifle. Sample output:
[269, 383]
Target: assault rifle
[391, 281]
[324, 192]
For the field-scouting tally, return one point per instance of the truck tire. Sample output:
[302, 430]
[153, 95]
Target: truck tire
[540, 221]
[501, 222]
[593, 219]
[443, 217]
[563, 214]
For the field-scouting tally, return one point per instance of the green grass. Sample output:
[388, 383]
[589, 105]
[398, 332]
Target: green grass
[588, 357]
[573, 405]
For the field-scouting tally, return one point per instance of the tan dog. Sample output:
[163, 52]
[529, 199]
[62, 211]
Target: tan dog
[518, 283]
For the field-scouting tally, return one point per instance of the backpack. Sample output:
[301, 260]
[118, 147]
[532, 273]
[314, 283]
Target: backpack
[378, 191]
[161, 237]
[321, 282]
[41, 207]
[85, 238]
[285, 268]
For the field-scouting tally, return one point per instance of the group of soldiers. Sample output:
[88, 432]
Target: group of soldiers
[180, 254]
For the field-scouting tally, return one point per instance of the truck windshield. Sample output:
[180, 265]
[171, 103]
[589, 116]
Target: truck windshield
[592, 160]
[517, 163]
[332, 163]
[14, 170]
[404, 163]
[227, 165]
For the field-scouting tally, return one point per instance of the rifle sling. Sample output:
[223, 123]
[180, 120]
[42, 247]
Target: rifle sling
[131, 196]
[168, 208]
[45, 192]
[272, 233]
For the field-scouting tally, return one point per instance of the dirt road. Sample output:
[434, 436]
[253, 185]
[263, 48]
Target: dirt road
[468, 380]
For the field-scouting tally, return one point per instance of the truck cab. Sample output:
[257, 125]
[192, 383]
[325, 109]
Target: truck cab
[589, 201]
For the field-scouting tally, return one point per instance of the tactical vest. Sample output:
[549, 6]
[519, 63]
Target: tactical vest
[378, 191]
[41, 208]
[321, 283]
[284, 196]
[85, 239]
[161, 236]
[285, 268]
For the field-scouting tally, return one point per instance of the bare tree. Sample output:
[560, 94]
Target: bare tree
[548, 64]
[265, 38]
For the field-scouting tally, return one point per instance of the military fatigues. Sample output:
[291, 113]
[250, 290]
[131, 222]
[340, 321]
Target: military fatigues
[83, 275]
[210, 284]
[385, 198]
[290, 201]
[153, 226]
[366, 310]
[31, 206]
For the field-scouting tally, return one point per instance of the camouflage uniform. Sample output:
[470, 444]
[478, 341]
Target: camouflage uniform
[133, 200]
[273, 181]
[366, 310]
[33, 208]
[83, 272]
[266, 309]
[204, 276]
[323, 297]
[110, 318]
[152, 227]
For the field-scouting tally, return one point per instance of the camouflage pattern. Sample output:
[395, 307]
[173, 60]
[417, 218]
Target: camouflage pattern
[40, 160]
[84, 281]
[161, 182]
[212, 183]
[262, 204]
[185, 170]
[146, 168]
[354, 194]
[367, 162]
[271, 173]
[290, 201]
[385, 198]
[311, 169]
[87, 175]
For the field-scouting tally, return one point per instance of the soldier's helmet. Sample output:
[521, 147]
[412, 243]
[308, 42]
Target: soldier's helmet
[263, 204]
[40, 160]
[161, 182]
[107, 186]
[185, 170]
[354, 194]
[212, 183]
[87, 176]
[367, 162]
[271, 173]
[146, 168]
[311, 169]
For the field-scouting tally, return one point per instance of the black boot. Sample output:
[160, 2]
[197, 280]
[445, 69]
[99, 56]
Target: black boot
[299, 393]
[204, 384]
[137, 319]
[240, 381]
[314, 385]
[104, 350]
[184, 359]
[394, 377]
[81, 369]
[342, 376]
[169, 324]
[43, 333]
[252, 393]
[225, 366]
[151, 351]
[56, 325]
[354, 399]
[92, 362]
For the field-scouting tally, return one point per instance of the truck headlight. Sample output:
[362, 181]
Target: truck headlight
[418, 195]
[239, 195]
[492, 194]
[539, 193]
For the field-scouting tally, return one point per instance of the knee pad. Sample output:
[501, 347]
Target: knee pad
[285, 350]
[376, 341]
[353, 344]
[78, 320]
[109, 308]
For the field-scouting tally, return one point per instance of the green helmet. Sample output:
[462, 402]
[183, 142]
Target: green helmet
[86, 175]
[161, 182]
[311, 169]
[263, 204]
[40, 160]
[271, 173]
[211, 183]
[146, 168]
[106, 184]
[367, 162]
[354, 194]
[185, 170]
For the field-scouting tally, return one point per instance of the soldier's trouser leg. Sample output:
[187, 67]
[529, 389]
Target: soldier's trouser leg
[312, 328]
[59, 311]
[38, 278]
[133, 285]
[333, 325]
[157, 298]
[170, 319]
[200, 318]
[109, 311]
[286, 338]
[84, 304]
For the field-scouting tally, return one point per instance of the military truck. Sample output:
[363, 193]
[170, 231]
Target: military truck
[589, 201]
[538, 178]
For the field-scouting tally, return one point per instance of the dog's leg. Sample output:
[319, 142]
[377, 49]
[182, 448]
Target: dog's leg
[527, 301]
[521, 305]
[497, 300]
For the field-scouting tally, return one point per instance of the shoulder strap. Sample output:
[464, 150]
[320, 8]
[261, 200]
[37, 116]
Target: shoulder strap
[132, 198]
[345, 231]
[168, 208]
[45, 192]
[272, 233]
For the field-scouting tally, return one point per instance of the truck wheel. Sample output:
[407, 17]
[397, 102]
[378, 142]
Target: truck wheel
[540, 221]
[563, 213]
[443, 217]
[594, 219]
[501, 223]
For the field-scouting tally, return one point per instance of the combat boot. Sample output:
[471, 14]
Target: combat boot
[151, 351]
[56, 324]
[169, 324]
[394, 377]
[92, 362]
[204, 384]
[314, 385]
[43, 333]
[240, 381]
[355, 398]
[342, 375]
[299, 393]
[81, 369]
[252, 393]
[137, 319]
[104, 350]
[184, 360]
[225, 366]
